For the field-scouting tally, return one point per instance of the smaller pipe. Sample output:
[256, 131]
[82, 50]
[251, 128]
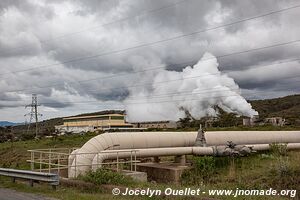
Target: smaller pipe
[199, 151]
[177, 151]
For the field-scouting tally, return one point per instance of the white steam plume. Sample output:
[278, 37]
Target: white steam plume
[196, 89]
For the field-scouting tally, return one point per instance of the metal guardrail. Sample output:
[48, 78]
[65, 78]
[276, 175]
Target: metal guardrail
[52, 179]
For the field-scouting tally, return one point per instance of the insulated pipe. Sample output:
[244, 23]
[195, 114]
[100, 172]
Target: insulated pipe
[84, 156]
[251, 137]
[199, 151]
[71, 158]
[143, 153]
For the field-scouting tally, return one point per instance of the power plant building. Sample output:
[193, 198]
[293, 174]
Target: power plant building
[93, 123]
[155, 124]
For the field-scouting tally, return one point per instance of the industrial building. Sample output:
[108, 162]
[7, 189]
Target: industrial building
[155, 124]
[254, 121]
[275, 121]
[93, 123]
[251, 121]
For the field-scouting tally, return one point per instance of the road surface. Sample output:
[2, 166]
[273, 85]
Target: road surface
[9, 194]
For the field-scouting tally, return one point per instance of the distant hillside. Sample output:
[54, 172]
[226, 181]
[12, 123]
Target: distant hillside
[287, 107]
[6, 123]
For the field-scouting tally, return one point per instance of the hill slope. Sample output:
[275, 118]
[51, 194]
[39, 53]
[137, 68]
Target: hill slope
[287, 107]
[6, 123]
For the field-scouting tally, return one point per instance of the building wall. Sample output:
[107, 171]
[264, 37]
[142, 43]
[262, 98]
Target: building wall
[158, 124]
[275, 121]
[251, 121]
[73, 129]
[97, 121]
[92, 123]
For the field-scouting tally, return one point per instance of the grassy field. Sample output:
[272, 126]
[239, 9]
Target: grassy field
[262, 170]
[14, 155]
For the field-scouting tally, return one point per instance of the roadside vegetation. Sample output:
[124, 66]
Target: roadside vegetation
[277, 169]
[104, 176]
[13, 154]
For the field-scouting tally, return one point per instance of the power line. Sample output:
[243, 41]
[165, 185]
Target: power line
[162, 94]
[157, 83]
[185, 78]
[165, 95]
[71, 34]
[162, 82]
[165, 101]
[186, 100]
[154, 42]
[161, 67]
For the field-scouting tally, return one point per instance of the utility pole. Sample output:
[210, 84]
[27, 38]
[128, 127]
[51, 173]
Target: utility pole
[34, 113]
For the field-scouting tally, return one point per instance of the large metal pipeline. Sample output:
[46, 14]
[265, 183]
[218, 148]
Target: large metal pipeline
[178, 151]
[251, 137]
[150, 144]
[81, 159]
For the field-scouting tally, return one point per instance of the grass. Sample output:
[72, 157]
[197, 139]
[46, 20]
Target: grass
[62, 192]
[14, 155]
[105, 176]
[258, 171]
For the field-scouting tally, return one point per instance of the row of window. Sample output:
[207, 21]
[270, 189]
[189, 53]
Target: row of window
[96, 118]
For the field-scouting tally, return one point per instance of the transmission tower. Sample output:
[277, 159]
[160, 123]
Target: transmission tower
[34, 114]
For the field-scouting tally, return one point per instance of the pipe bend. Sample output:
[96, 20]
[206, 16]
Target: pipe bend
[126, 140]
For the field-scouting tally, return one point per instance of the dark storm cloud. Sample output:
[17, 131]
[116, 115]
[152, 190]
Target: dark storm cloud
[56, 104]
[117, 95]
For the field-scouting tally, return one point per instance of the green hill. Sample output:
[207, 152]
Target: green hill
[287, 107]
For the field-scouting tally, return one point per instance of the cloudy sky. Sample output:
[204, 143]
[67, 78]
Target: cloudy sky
[89, 55]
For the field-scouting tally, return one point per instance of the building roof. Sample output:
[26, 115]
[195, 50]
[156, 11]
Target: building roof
[93, 116]
[153, 122]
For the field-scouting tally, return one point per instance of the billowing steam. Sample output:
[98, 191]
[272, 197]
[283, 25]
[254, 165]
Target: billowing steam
[197, 89]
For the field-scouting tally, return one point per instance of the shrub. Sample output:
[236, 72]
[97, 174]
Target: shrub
[202, 171]
[105, 176]
[278, 149]
[281, 173]
[27, 136]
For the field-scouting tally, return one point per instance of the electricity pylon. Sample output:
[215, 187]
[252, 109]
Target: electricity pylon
[34, 114]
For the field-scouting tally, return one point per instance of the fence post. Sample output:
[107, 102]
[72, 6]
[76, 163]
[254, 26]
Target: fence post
[49, 161]
[131, 160]
[58, 164]
[32, 160]
[75, 164]
[97, 161]
[41, 161]
[135, 160]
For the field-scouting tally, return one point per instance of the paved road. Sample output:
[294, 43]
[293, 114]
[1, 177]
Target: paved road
[8, 194]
